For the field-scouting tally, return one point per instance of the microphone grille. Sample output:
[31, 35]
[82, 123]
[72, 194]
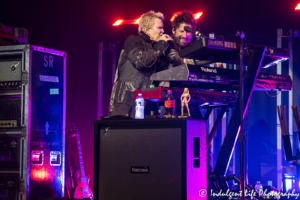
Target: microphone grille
[186, 28]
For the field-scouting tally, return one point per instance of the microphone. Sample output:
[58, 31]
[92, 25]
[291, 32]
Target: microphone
[188, 29]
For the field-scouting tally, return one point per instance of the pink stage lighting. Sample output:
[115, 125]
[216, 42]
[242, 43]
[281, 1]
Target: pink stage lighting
[298, 7]
[118, 22]
[196, 16]
[137, 21]
[124, 21]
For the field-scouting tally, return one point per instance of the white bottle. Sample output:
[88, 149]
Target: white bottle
[139, 107]
[259, 188]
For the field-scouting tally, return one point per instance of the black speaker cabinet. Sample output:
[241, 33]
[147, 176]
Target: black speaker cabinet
[150, 159]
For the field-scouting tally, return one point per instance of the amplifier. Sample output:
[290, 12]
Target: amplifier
[11, 74]
[11, 71]
[9, 153]
[10, 112]
[150, 159]
[9, 186]
[32, 114]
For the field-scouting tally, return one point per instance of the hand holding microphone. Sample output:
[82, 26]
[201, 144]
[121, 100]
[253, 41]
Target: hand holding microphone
[165, 37]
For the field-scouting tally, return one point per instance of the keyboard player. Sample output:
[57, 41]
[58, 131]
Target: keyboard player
[182, 39]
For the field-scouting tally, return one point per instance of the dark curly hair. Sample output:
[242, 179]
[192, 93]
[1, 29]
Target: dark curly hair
[184, 16]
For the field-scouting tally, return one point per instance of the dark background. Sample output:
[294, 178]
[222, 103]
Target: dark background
[77, 27]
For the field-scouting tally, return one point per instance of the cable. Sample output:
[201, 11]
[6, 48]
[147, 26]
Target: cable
[278, 92]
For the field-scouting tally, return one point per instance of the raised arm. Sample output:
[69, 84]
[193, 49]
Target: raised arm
[141, 57]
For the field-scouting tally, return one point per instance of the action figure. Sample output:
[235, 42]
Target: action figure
[185, 99]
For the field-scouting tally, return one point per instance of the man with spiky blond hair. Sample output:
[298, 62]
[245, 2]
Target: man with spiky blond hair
[138, 61]
[147, 19]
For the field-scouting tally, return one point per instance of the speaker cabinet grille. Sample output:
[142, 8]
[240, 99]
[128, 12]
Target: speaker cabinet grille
[149, 159]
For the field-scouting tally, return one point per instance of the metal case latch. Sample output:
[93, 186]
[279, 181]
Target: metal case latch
[25, 77]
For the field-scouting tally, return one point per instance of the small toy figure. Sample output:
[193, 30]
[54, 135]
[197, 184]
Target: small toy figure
[185, 99]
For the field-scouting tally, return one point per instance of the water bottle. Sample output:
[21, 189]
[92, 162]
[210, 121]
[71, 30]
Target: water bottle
[139, 107]
[259, 188]
[169, 103]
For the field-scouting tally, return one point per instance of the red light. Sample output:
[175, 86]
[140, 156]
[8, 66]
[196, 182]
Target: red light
[39, 174]
[173, 17]
[137, 21]
[298, 7]
[126, 21]
[198, 15]
[118, 22]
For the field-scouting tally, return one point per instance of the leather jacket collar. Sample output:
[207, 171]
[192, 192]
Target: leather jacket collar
[145, 36]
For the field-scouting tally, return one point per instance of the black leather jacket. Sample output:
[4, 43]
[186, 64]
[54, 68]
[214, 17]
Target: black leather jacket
[138, 61]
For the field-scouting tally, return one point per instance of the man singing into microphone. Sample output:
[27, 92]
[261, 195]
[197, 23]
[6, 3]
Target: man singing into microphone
[181, 37]
[138, 61]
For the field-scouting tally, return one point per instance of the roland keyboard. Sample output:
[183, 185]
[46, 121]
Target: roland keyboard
[193, 76]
